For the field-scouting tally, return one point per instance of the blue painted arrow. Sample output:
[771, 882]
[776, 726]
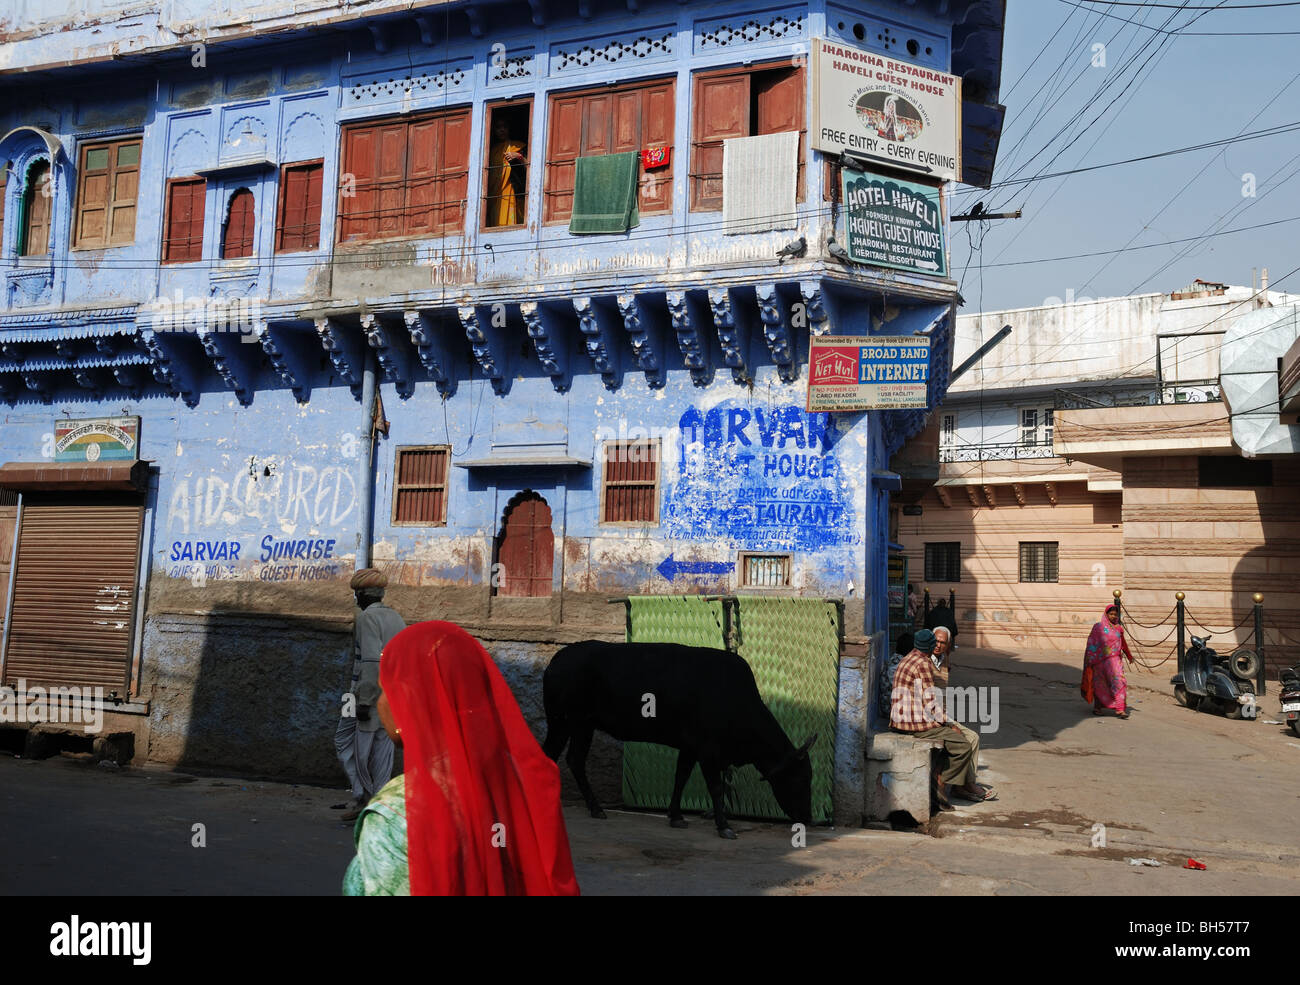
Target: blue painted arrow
[670, 569]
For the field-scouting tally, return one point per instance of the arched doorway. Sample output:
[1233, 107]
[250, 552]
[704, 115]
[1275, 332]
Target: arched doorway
[525, 548]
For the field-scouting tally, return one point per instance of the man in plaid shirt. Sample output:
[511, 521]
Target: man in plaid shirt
[916, 708]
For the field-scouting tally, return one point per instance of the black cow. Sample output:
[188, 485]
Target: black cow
[705, 704]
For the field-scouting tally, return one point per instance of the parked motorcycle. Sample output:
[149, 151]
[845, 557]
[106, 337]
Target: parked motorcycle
[1290, 697]
[1210, 682]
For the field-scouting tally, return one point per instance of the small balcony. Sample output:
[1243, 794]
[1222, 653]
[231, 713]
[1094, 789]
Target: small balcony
[1010, 451]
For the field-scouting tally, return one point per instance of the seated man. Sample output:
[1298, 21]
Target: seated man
[917, 709]
[941, 656]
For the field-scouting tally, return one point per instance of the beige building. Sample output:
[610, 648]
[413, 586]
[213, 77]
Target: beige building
[1094, 450]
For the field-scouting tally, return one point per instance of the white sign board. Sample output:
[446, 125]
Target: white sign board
[886, 111]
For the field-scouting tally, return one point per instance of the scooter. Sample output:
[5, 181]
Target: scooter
[1210, 682]
[1290, 697]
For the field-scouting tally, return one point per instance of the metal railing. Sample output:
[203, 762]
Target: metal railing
[1008, 451]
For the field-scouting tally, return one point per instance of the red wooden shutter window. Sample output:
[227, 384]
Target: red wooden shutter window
[527, 551]
[300, 198]
[36, 235]
[238, 238]
[611, 121]
[631, 474]
[184, 225]
[420, 494]
[409, 178]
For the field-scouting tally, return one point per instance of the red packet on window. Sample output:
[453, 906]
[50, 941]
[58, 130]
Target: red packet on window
[656, 157]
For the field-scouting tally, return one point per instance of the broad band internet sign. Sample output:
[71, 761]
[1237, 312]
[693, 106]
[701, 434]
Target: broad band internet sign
[878, 372]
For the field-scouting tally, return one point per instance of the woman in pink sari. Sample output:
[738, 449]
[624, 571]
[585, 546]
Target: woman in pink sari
[1103, 671]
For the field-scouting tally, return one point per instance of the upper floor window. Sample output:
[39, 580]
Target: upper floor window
[4, 189]
[420, 489]
[631, 482]
[183, 223]
[943, 561]
[237, 234]
[741, 102]
[505, 173]
[948, 431]
[38, 198]
[107, 187]
[1036, 426]
[298, 226]
[404, 177]
[611, 120]
[1039, 561]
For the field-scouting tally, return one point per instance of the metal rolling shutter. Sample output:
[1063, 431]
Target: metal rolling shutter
[74, 602]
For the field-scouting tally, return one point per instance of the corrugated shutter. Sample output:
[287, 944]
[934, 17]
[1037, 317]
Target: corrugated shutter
[75, 591]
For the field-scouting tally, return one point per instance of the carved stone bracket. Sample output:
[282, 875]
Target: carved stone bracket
[545, 326]
[392, 352]
[12, 352]
[284, 349]
[427, 335]
[487, 342]
[65, 349]
[1050, 487]
[38, 385]
[232, 360]
[596, 324]
[346, 348]
[732, 325]
[643, 317]
[1019, 491]
[130, 377]
[89, 379]
[778, 330]
[170, 369]
[690, 324]
[106, 345]
[990, 494]
[942, 493]
[815, 307]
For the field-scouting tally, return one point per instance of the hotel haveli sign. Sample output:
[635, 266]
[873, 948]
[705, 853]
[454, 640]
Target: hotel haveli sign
[885, 110]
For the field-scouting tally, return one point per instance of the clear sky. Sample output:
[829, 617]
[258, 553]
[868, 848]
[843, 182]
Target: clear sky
[1182, 89]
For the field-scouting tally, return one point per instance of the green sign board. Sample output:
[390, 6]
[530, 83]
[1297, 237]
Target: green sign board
[893, 223]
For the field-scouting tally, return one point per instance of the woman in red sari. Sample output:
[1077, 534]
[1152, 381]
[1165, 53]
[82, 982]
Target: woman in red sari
[478, 808]
[1103, 670]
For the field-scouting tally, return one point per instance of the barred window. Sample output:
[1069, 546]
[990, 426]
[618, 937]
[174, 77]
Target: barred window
[948, 431]
[943, 561]
[420, 490]
[631, 493]
[765, 570]
[1038, 561]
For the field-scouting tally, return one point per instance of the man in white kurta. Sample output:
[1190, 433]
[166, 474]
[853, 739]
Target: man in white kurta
[364, 748]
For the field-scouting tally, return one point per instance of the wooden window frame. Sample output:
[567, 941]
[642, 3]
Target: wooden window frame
[488, 109]
[805, 152]
[441, 232]
[927, 567]
[167, 215]
[280, 210]
[83, 152]
[26, 199]
[399, 487]
[605, 482]
[787, 571]
[225, 224]
[1054, 565]
[630, 86]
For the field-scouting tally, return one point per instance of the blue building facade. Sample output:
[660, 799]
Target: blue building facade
[238, 233]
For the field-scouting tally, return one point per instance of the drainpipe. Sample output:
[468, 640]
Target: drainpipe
[366, 530]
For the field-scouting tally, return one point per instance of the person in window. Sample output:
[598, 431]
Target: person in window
[477, 812]
[507, 180]
[1103, 683]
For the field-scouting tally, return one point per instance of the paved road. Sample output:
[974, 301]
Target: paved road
[1167, 784]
